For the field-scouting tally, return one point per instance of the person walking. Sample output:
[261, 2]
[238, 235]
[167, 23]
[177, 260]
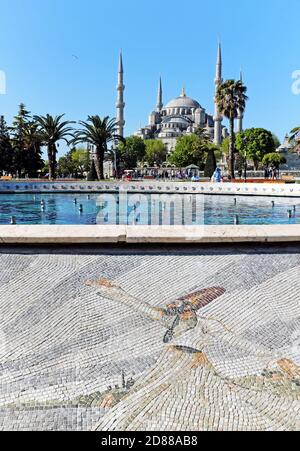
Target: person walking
[217, 177]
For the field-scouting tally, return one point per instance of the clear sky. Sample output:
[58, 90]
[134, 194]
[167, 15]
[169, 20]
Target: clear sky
[171, 38]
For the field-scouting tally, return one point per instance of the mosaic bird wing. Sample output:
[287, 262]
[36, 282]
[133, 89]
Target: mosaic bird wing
[185, 311]
[111, 291]
[200, 299]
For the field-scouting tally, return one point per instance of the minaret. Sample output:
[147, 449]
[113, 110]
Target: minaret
[217, 117]
[240, 113]
[159, 105]
[120, 102]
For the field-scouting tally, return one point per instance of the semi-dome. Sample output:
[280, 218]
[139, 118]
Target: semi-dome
[176, 120]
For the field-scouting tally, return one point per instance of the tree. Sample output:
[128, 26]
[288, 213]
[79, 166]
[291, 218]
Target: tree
[255, 143]
[210, 149]
[295, 138]
[52, 130]
[131, 152]
[75, 162]
[6, 152]
[27, 145]
[92, 175]
[66, 166]
[189, 149]
[98, 132]
[277, 143]
[81, 160]
[202, 134]
[211, 161]
[225, 146]
[18, 129]
[274, 160]
[156, 152]
[45, 168]
[231, 99]
[295, 132]
[32, 153]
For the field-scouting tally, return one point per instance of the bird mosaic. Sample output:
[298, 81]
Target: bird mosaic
[177, 317]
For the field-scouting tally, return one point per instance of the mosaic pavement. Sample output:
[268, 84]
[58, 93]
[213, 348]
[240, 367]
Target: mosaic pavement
[129, 339]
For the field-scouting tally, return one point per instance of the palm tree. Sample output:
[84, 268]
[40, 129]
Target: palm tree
[52, 130]
[295, 132]
[231, 99]
[295, 138]
[99, 133]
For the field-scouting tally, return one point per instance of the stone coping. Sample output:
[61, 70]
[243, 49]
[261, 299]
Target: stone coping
[45, 234]
[236, 189]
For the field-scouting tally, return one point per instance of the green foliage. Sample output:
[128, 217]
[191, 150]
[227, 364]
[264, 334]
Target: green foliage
[45, 168]
[202, 134]
[92, 175]
[66, 166]
[274, 160]
[190, 149]
[239, 162]
[294, 139]
[225, 146]
[211, 163]
[32, 159]
[295, 132]
[218, 152]
[74, 163]
[81, 159]
[155, 152]
[255, 143]
[231, 99]
[27, 144]
[19, 122]
[53, 129]
[6, 151]
[277, 143]
[98, 132]
[18, 131]
[131, 152]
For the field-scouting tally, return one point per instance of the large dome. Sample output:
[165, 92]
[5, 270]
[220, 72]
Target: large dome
[183, 102]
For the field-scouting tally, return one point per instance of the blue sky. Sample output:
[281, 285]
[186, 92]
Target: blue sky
[171, 38]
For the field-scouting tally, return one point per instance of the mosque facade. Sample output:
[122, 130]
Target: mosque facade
[179, 117]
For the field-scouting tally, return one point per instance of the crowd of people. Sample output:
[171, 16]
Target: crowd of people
[162, 174]
[271, 173]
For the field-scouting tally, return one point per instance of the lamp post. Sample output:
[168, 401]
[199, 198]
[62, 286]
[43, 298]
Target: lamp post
[115, 163]
[91, 153]
[114, 149]
[245, 159]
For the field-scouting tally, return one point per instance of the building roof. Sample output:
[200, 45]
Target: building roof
[183, 102]
[176, 120]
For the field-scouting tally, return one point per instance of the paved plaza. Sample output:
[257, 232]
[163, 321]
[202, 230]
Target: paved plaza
[158, 338]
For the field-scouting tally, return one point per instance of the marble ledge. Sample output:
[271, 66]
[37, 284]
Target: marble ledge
[53, 234]
[154, 187]
[43, 234]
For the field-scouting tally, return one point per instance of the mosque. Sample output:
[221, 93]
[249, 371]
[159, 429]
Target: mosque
[179, 117]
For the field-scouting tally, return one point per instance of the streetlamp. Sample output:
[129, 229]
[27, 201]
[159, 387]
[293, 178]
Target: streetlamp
[114, 150]
[90, 149]
[245, 159]
[115, 162]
